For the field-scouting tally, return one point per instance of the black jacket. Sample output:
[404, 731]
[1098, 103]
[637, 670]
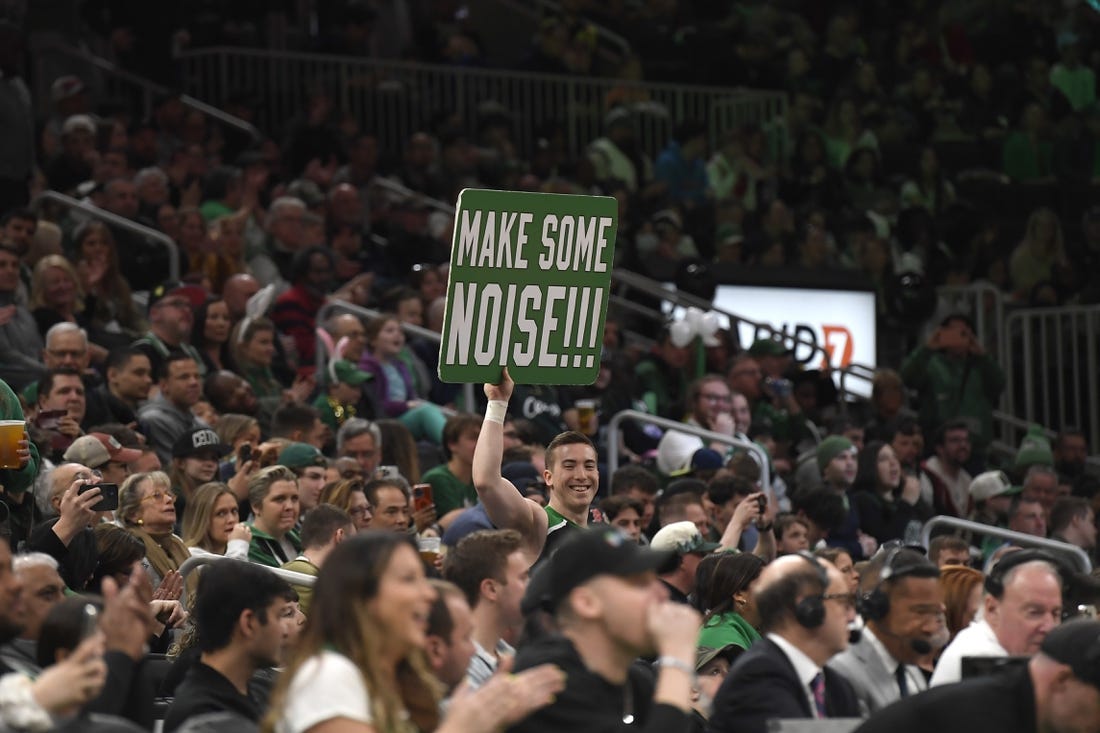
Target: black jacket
[762, 685]
[591, 704]
[77, 560]
[205, 690]
[1003, 702]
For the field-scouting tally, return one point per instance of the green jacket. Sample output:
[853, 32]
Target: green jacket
[265, 549]
[955, 388]
[727, 629]
[15, 512]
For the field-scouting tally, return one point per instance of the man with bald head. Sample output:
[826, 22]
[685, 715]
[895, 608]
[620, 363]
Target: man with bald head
[805, 608]
[348, 326]
[236, 292]
[68, 536]
[1022, 603]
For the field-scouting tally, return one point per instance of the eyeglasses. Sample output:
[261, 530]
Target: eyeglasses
[716, 397]
[67, 353]
[156, 496]
[848, 599]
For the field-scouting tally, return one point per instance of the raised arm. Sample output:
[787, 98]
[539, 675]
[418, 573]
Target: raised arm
[506, 507]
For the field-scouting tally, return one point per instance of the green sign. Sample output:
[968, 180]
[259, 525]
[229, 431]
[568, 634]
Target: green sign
[530, 274]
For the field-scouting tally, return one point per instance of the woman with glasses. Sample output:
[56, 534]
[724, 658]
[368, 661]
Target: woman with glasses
[147, 509]
[348, 494]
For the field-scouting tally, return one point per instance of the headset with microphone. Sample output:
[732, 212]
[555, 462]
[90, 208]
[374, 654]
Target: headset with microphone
[875, 606]
[810, 611]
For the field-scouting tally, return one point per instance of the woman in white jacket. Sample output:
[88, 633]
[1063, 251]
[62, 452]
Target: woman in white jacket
[211, 525]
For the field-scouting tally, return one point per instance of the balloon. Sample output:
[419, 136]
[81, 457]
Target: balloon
[709, 325]
[694, 317]
[681, 333]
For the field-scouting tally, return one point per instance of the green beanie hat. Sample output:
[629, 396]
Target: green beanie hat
[830, 448]
[1034, 449]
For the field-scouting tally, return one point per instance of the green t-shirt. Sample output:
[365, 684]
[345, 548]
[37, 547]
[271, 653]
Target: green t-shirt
[448, 491]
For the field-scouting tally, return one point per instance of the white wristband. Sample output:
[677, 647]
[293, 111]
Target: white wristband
[496, 410]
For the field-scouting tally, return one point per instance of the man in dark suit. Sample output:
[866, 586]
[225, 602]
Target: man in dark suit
[1058, 691]
[805, 608]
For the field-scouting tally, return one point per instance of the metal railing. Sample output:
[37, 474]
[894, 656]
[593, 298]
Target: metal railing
[195, 562]
[536, 9]
[115, 220]
[332, 306]
[625, 280]
[147, 89]
[679, 427]
[410, 196]
[394, 99]
[1052, 374]
[985, 304]
[1017, 538]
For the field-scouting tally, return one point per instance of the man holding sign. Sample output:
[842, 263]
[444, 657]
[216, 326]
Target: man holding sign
[570, 475]
[529, 280]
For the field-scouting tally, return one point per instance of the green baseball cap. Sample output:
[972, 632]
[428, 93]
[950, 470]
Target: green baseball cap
[348, 373]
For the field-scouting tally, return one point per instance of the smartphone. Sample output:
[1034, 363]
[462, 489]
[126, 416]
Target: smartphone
[762, 502]
[244, 455]
[108, 501]
[387, 472]
[50, 419]
[89, 623]
[422, 496]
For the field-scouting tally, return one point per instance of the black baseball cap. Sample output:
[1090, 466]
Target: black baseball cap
[1076, 644]
[199, 441]
[585, 555]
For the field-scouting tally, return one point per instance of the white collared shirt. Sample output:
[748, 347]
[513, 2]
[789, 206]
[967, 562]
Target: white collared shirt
[976, 640]
[913, 675]
[804, 668]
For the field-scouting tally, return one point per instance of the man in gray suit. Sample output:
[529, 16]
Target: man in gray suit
[902, 606]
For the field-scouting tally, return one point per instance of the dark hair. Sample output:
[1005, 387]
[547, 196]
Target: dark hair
[124, 434]
[17, 213]
[478, 556]
[726, 486]
[613, 506]
[372, 487]
[676, 505]
[945, 542]
[453, 429]
[119, 358]
[719, 576]
[1019, 500]
[950, 425]
[630, 477]
[867, 468]
[776, 601]
[289, 418]
[225, 590]
[117, 550]
[822, 507]
[45, 384]
[440, 622]
[784, 521]
[175, 355]
[216, 182]
[569, 437]
[1066, 509]
[299, 267]
[905, 426]
[952, 317]
[321, 523]
[63, 627]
